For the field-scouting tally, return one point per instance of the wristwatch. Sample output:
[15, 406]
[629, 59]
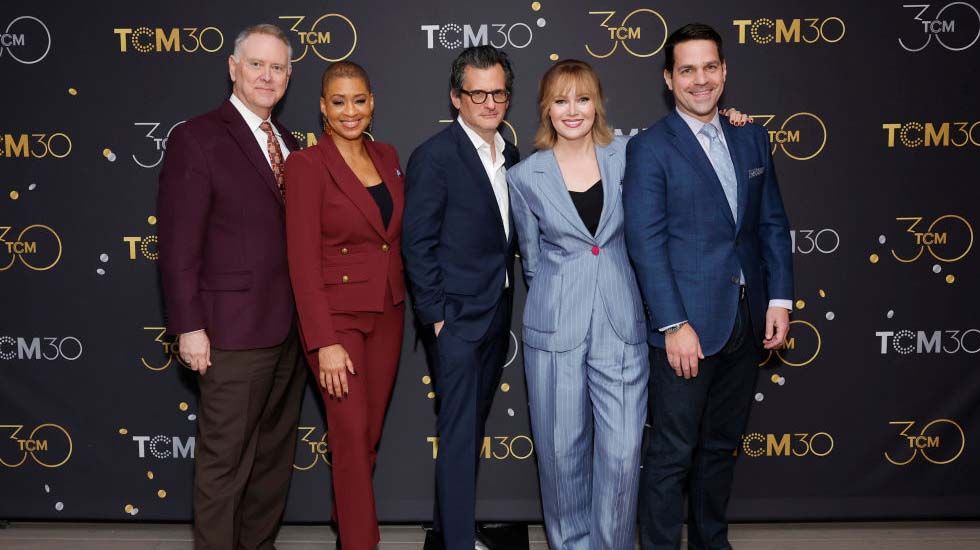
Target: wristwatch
[675, 328]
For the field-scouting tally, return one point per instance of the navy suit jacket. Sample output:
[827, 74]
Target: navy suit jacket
[686, 247]
[456, 252]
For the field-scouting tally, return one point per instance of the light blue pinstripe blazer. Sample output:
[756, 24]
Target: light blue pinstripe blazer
[563, 274]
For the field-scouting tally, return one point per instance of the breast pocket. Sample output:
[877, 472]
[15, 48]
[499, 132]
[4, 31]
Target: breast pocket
[543, 307]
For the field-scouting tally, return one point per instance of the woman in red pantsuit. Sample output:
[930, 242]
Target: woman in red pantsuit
[344, 200]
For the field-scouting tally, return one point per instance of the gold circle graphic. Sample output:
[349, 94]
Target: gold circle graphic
[816, 352]
[823, 142]
[662, 21]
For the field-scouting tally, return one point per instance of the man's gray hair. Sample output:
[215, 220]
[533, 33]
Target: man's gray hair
[261, 28]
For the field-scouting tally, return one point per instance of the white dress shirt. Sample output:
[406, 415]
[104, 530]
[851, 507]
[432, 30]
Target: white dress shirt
[696, 125]
[253, 121]
[496, 173]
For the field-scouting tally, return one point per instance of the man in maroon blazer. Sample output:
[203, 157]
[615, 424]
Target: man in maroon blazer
[228, 298]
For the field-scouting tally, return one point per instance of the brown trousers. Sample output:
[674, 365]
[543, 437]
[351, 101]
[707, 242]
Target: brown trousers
[246, 442]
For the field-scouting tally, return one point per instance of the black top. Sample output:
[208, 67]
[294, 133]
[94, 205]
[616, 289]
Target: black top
[589, 205]
[381, 195]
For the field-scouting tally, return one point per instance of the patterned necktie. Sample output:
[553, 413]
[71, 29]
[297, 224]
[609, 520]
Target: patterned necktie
[275, 157]
[722, 163]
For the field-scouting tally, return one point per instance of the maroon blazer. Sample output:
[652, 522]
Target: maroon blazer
[222, 234]
[341, 257]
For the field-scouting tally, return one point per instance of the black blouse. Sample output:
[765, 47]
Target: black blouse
[589, 205]
[381, 195]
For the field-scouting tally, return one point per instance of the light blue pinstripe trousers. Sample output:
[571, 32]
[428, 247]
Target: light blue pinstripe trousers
[588, 406]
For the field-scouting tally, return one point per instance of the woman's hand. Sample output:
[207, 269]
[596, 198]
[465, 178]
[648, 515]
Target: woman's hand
[736, 117]
[334, 365]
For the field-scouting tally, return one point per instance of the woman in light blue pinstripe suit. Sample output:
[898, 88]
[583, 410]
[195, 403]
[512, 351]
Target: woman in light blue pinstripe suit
[585, 353]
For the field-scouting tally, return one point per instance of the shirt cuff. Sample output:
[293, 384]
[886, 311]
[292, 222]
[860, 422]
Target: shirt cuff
[668, 327]
[192, 332]
[785, 304]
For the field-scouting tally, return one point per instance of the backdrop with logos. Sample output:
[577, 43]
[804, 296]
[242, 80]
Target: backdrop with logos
[870, 411]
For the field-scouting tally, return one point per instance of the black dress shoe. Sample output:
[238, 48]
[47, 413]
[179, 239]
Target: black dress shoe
[433, 540]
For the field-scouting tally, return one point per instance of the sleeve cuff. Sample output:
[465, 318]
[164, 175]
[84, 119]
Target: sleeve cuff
[785, 304]
[668, 327]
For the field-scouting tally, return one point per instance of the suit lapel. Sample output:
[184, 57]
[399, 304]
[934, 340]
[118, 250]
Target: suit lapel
[554, 189]
[475, 166]
[740, 171]
[249, 145]
[689, 146]
[348, 183]
[608, 165]
[392, 176]
[287, 137]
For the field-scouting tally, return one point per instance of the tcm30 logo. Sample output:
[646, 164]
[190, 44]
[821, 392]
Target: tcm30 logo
[948, 238]
[317, 449]
[49, 445]
[809, 30]
[756, 445]
[955, 26]
[332, 36]
[163, 447]
[939, 442]
[168, 349]
[810, 241]
[802, 346]
[641, 33]
[49, 348]
[932, 134]
[950, 342]
[36, 145]
[147, 246]
[801, 136]
[453, 36]
[157, 145]
[500, 447]
[37, 246]
[175, 39]
[26, 40]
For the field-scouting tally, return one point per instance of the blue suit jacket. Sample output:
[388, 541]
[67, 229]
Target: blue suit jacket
[456, 252]
[564, 274]
[684, 243]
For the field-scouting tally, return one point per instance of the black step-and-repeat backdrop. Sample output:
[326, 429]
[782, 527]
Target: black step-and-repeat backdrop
[871, 410]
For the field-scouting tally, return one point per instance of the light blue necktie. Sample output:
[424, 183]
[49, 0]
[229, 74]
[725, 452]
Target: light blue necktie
[722, 163]
[725, 170]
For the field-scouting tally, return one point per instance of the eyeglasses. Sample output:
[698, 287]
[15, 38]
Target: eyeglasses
[480, 96]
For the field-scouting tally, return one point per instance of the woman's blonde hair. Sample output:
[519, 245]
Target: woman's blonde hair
[561, 77]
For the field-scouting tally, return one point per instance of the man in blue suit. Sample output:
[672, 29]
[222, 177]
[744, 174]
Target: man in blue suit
[709, 238]
[458, 241]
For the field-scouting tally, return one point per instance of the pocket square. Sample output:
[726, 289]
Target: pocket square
[398, 172]
[756, 171]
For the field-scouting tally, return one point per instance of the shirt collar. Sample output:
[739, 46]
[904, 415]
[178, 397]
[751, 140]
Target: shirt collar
[478, 142]
[695, 125]
[252, 120]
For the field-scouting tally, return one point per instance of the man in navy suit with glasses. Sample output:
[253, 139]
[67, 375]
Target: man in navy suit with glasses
[458, 241]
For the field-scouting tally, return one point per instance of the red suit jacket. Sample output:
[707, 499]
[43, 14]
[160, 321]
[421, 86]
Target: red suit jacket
[341, 257]
[222, 235]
